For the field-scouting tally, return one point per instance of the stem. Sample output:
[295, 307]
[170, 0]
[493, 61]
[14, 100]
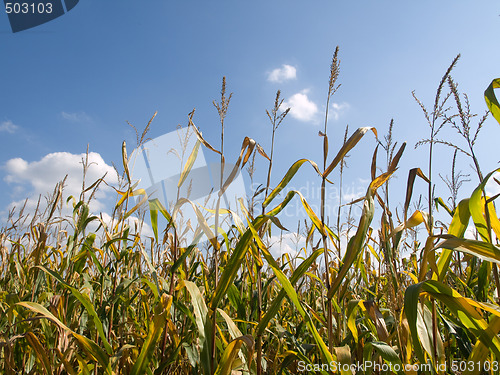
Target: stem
[434, 331]
[334, 71]
[431, 220]
[323, 234]
[222, 110]
[259, 268]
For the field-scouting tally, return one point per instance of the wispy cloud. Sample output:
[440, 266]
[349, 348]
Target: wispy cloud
[76, 116]
[285, 73]
[339, 109]
[8, 126]
[301, 107]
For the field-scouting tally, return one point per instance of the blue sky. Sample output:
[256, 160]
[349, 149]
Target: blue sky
[78, 79]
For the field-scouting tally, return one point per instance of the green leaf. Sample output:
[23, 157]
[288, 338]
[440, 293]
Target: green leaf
[288, 176]
[87, 304]
[234, 262]
[388, 355]
[203, 323]
[476, 207]
[231, 352]
[480, 249]
[88, 345]
[457, 228]
[440, 202]
[274, 308]
[356, 243]
[199, 306]
[292, 294]
[154, 333]
[462, 308]
[155, 206]
[491, 99]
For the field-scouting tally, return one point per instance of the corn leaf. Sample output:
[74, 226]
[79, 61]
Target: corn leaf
[274, 308]
[287, 178]
[292, 294]
[388, 355]
[41, 353]
[189, 164]
[154, 332]
[457, 228]
[491, 99]
[483, 250]
[476, 207]
[88, 345]
[348, 146]
[459, 306]
[231, 352]
[87, 304]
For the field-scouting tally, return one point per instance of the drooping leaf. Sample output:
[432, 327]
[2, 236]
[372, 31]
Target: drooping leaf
[292, 294]
[88, 345]
[231, 352]
[87, 304]
[483, 250]
[462, 308]
[409, 185]
[348, 146]
[491, 99]
[388, 355]
[189, 164]
[457, 228]
[476, 208]
[288, 177]
[155, 330]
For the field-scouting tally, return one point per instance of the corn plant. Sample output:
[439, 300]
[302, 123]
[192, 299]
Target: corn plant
[83, 295]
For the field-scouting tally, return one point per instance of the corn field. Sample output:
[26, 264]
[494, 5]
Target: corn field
[397, 293]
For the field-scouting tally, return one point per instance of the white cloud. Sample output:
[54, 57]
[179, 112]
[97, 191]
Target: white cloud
[353, 192]
[285, 73]
[338, 109]
[32, 179]
[76, 116]
[290, 243]
[8, 126]
[470, 232]
[301, 107]
[136, 225]
[492, 187]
